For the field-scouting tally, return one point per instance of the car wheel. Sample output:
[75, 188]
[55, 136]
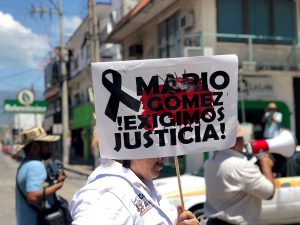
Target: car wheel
[198, 211]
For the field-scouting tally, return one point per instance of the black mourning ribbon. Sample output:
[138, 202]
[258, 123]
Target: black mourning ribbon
[117, 95]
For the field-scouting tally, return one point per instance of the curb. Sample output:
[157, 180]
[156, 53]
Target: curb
[78, 171]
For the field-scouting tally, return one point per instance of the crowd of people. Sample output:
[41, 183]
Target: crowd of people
[122, 191]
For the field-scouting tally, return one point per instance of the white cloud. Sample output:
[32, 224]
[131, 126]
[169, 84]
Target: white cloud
[71, 24]
[19, 46]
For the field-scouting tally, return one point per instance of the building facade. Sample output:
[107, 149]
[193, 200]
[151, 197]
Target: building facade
[264, 34]
[81, 97]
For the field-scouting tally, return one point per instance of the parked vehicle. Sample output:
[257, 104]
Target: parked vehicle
[282, 209]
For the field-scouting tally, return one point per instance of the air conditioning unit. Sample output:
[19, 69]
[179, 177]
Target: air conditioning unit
[190, 51]
[187, 21]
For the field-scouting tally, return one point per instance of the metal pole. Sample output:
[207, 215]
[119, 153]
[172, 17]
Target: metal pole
[250, 49]
[95, 39]
[64, 96]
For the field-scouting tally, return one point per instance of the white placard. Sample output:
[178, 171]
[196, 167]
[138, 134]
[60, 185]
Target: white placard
[165, 107]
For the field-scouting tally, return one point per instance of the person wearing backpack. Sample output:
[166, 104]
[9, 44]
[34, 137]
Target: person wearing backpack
[32, 193]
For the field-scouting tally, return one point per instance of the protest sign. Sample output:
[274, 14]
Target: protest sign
[165, 107]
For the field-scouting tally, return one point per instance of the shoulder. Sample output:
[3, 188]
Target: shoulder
[240, 166]
[108, 195]
[35, 165]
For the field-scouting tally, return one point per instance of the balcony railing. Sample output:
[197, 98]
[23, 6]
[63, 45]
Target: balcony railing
[263, 52]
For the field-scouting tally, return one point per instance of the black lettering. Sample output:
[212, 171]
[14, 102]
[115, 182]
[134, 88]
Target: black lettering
[155, 107]
[208, 115]
[221, 114]
[170, 84]
[225, 82]
[137, 138]
[190, 81]
[181, 135]
[149, 140]
[144, 121]
[206, 99]
[173, 136]
[118, 142]
[172, 102]
[166, 123]
[128, 122]
[161, 136]
[197, 134]
[210, 132]
[204, 81]
[153, 86]
[190, 103]
[218, 97]
[190, 119]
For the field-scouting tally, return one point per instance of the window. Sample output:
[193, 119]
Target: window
[169, 37]
[258, 17]
[58, 105]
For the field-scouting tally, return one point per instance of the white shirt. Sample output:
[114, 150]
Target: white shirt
[234, 188]
[272, 127]
[109, 200]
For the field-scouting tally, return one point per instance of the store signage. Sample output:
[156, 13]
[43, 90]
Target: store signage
[26, 97]
[14, 106]
[256, 87]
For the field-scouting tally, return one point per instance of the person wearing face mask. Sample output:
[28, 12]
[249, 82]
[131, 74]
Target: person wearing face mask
[121, 192]
[31, 188]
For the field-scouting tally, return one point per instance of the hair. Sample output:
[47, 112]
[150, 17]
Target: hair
[27, 147]
[126, 163]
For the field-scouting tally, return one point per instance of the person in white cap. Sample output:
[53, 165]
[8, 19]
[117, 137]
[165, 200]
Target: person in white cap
[272, 120]
[236, 186]
[30, 187]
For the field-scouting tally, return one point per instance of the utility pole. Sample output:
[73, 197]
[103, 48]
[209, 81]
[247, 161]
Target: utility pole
[64, 90]
[95, 46]
[64, 96]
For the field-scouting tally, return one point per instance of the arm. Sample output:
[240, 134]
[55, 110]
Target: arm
[277, 117]
[35, 197]
[265, 116]
[266, 165]
[256, 181]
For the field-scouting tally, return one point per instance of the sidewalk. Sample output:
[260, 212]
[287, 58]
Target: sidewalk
[79, 169]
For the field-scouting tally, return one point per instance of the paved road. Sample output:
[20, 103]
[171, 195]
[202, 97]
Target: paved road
[8, 169]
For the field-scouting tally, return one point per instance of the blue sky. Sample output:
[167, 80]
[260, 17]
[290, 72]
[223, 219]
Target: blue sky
[26, 39]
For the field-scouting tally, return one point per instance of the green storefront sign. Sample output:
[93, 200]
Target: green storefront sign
[14, 106]
[83, 116]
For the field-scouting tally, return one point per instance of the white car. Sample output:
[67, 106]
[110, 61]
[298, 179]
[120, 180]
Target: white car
[284, 208]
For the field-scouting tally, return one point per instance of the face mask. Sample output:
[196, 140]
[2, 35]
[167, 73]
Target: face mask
[46, 156]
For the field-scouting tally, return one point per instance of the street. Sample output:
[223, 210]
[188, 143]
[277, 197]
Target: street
[8, 169]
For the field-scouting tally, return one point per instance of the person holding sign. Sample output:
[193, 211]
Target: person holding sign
[236, 186]
[122, 192]
[149, 109]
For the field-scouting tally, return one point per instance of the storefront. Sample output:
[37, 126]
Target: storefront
[81, 132]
